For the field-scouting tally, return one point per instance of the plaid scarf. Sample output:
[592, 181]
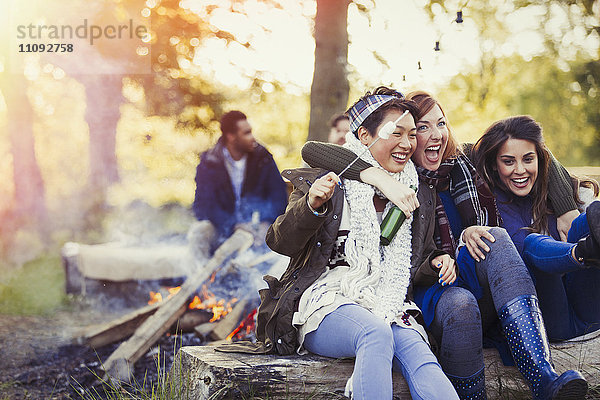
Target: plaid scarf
[473, 199]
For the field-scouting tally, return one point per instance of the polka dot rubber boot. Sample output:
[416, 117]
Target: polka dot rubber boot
[470, 388]
[523, 327]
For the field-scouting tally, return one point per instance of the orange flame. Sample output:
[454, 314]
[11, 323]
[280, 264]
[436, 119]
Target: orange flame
[244, 328]
[155, 298]
[219, 308]
[208, 301]
[173, 291]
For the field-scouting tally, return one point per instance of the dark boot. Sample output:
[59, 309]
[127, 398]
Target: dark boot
[587, 250]
[523, 326]
[593, 219]
[470, 388]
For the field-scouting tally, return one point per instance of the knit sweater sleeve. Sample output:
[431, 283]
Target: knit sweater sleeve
[560, 190]
[333, 158]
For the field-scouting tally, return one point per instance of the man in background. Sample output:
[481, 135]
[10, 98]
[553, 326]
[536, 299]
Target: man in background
[237, 182]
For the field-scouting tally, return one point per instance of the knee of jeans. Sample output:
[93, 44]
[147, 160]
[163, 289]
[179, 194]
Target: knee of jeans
[378, 336]
[500, 234]
[458, 304]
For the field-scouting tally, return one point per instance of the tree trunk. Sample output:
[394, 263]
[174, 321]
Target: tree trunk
[329, 90]
[30, 197]
[104, 98]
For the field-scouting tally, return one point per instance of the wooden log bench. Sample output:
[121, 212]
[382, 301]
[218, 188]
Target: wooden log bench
[204, 373]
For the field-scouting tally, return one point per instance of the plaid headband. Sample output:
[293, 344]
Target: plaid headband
[367, 106]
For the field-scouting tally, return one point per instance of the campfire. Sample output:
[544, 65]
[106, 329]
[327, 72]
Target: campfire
[207, 301]
[197, 306]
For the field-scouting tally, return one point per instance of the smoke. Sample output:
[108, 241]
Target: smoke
[148, 249]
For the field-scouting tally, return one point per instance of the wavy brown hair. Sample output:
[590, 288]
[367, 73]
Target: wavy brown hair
[425, 102]
[486, 150]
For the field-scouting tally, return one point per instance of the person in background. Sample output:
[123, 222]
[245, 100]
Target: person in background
[339, 126]
[495, 292]
[237, 182]
[513, 159]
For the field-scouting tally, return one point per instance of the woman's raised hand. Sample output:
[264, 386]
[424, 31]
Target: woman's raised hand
[472, 236]
[447, 267]
[398, 193]
[322, 190]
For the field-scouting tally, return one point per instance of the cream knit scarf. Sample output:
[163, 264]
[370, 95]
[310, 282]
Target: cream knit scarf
[379, 275]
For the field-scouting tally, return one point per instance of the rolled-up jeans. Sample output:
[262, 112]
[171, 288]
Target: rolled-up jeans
[553, 256]
[353, 331]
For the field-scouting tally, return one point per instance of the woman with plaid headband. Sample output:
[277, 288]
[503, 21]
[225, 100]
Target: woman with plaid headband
[494, 284]
[344, 294]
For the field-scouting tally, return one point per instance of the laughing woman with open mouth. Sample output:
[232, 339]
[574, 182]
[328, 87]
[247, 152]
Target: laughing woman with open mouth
[513, 158]
[345, 294]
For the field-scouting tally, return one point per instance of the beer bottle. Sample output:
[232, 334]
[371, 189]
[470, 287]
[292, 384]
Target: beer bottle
[391, 223]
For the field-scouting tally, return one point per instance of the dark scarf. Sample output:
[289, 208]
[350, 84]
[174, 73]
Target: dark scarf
[473, 199]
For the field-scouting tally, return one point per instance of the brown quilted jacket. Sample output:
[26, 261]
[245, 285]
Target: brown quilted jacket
[308, 240]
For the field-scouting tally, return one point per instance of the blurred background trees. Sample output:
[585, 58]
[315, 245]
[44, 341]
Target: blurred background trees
[77, 145]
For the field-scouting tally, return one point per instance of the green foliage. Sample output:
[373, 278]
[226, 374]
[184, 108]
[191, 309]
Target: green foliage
[176, 88]
[559, 86]
[36, 288]
[566, 109]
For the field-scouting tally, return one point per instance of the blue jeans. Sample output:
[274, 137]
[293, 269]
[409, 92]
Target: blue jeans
[352, 331]
[461, 315]
[551, 255]
[567, 291]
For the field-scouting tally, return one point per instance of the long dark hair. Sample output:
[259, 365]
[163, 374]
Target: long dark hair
[486, 150]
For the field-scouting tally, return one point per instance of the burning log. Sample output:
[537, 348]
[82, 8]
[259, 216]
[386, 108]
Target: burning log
[222, 329]
[229, 322]
[100, 335]
[118, 329]
[245, 328]
[119, 365]
[191, 319]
